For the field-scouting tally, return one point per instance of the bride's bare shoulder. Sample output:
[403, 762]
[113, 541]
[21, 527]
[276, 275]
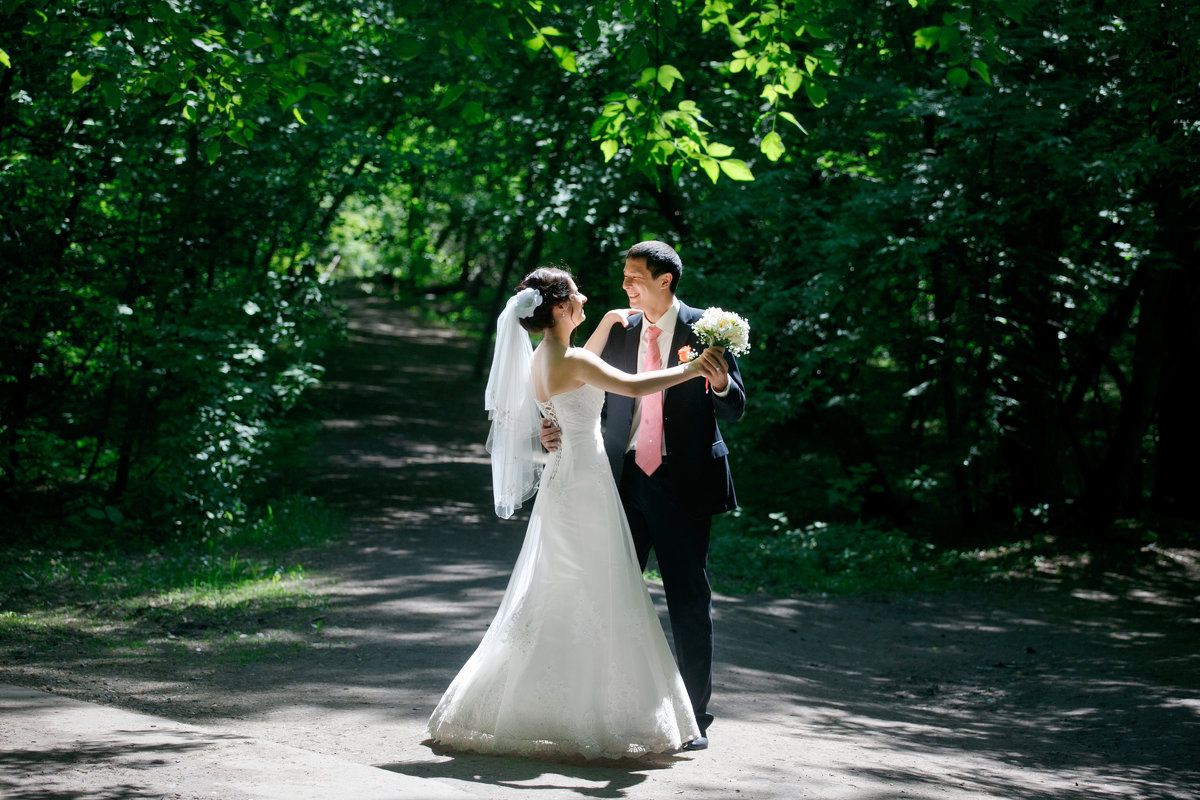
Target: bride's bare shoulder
[554, 372]
[578, 354]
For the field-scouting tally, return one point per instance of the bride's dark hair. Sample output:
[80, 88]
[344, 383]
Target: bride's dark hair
[554, 284]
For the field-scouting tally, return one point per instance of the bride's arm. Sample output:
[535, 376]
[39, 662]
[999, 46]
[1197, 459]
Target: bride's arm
[618, 316]
[584, 365]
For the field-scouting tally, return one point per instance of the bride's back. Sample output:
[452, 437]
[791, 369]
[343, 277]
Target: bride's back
[550, 374]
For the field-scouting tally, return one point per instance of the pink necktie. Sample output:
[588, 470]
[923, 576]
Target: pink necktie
[649, 438]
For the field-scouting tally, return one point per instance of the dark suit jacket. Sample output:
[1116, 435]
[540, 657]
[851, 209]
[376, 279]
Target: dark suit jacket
[695, 450]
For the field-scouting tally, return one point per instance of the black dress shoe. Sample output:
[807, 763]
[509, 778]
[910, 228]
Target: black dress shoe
[699, 743]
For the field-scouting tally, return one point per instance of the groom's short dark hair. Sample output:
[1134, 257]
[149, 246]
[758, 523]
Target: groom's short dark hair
[661, 259]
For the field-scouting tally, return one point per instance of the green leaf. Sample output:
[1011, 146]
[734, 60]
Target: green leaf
[409, 48]
[736, 169]
[319, 109]
[299, 117]
[995, 53]
[981, 69]
[718, 149]
[452, 94]
[212, 150]
[638, 57]
[472, 112]
[591, 31]
[710, 166]
[323, 89]
[667, 75]
[792, 80]
[78, 81]
[951, 44]
[677, 169]
[112, 93]
[600, 125]
[4, 58]
[790, 117]
[318, 59]
[566, 58]
[662, 152]
[534, 44]
[928, 38]
[958, 76]
[816, 92]
[609, 148]
[772, 146]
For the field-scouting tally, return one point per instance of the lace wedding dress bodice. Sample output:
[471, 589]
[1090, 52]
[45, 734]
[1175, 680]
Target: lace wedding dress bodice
[575, 661]
[577, 413]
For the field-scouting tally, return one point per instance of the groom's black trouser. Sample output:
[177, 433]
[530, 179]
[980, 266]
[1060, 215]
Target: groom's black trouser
[662, 518]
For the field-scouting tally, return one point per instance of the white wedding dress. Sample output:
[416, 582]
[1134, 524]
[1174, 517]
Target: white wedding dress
[575, 662]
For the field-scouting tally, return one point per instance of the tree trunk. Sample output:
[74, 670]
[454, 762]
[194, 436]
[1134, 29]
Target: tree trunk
[1116, 489]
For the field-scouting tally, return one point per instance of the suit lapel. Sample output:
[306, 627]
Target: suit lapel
[683, 332]
[633, 337]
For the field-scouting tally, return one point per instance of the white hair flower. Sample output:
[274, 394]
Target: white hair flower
[526, 301]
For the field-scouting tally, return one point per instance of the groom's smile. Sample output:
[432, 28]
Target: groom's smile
[652, 296]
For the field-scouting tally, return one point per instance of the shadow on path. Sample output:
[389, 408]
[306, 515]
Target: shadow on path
[1043, 690]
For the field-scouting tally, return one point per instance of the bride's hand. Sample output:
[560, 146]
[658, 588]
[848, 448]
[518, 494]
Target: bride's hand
[619, 316]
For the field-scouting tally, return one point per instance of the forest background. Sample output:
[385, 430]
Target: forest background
[964, 233]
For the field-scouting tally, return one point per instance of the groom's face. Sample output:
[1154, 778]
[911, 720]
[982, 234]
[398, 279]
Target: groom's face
[646, 293]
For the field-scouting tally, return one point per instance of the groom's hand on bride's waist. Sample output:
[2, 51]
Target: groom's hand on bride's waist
[551, 435]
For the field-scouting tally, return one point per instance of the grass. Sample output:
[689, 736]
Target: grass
[750, 555]
[236, 592]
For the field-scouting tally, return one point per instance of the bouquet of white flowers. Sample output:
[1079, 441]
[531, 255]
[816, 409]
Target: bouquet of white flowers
[718, 328]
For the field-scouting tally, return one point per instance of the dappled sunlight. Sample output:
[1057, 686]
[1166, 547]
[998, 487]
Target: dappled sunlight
[999, 692]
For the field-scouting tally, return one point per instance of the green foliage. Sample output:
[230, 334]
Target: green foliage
[151, 348]
[240, 591]
[249, 561]
[966, 255]
[751, 554]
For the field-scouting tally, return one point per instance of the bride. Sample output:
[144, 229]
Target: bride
[575, 662]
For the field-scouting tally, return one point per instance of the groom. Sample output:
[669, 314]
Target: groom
[669, 459]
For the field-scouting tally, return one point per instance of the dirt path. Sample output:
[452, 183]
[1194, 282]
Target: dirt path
[1041, 691]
